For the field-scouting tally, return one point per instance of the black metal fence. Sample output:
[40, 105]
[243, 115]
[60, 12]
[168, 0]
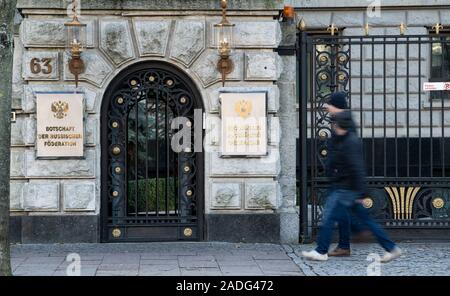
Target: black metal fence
[402, 127]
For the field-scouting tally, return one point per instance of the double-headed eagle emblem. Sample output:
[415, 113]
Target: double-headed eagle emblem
[243, 108]
[60, 109]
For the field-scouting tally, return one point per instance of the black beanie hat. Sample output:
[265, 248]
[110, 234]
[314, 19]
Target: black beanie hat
[338, 100]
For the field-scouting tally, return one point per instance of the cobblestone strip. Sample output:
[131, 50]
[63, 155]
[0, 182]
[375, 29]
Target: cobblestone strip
[305, 269]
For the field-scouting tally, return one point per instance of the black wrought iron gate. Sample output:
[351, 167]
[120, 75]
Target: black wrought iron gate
[149, 191]
[402, 127]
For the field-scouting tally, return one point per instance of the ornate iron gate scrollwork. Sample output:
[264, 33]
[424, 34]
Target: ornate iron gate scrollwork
[149, 191]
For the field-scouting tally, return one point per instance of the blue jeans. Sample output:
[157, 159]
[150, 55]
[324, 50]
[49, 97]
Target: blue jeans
[337, 209]
[333, 210]
[362, 215]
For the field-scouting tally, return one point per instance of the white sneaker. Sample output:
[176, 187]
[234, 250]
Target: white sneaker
[314, 255]
[389, 256]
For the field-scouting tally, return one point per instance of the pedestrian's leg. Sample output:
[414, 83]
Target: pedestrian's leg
[363, 216]
[330, 217]
[344, 225]
[346, 200]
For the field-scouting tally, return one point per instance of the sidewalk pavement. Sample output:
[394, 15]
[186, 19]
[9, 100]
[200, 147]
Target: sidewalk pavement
[220, 259]
[155, 259]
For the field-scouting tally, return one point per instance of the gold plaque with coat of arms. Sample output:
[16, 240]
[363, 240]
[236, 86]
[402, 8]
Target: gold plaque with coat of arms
[244, 124]
[60, 125]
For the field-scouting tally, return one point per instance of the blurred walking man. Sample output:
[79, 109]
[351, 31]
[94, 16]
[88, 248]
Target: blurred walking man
[346, 171]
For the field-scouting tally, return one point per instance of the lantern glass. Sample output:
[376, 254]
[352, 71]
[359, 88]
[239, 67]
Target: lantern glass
[76, 36]
[224, 36]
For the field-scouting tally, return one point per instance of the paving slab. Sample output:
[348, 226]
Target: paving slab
[198, 264]
[201, 272]
[111, 266]
[84, 271]
[241, 263]
[158, 256]
[33, 271]
[44, 260]
[240, 271]
[159, 270]
[134, 272]
[122, 258]
[159, 262]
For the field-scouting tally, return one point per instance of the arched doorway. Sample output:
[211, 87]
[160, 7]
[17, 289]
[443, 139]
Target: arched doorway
[150, 192]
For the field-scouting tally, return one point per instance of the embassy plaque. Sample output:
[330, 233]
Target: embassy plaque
[60, 131]
[244, 124]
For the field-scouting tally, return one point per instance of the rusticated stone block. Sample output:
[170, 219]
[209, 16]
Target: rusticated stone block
[91, 127]
[262, 66]
[348, 19]
[115, 40]
[206, 67]
[97, 69]
[262, 195]
[41, 196]
[428, 17]
[17, 81]
[17, 163]
[39, 65]
[60, 167]
[16, 191]
[188, 41]
[253, 34]
[314, 19]
[274, 130]
[264, 166]
[152, 36]
[50, 32]
[79, 196]
[225, 195]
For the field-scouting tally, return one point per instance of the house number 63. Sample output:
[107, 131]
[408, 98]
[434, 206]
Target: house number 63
[41, 66]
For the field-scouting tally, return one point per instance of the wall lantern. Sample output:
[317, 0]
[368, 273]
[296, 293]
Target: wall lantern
[223, 32]
[75, 43]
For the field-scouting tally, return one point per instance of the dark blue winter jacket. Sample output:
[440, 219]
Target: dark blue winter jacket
[345, 162]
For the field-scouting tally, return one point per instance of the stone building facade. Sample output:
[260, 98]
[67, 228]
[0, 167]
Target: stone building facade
[60, 200]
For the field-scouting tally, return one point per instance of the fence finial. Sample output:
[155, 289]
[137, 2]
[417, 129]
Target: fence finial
[402, 29]
[332, 29]
[438, 27]
[366, 29]
[302, 25]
